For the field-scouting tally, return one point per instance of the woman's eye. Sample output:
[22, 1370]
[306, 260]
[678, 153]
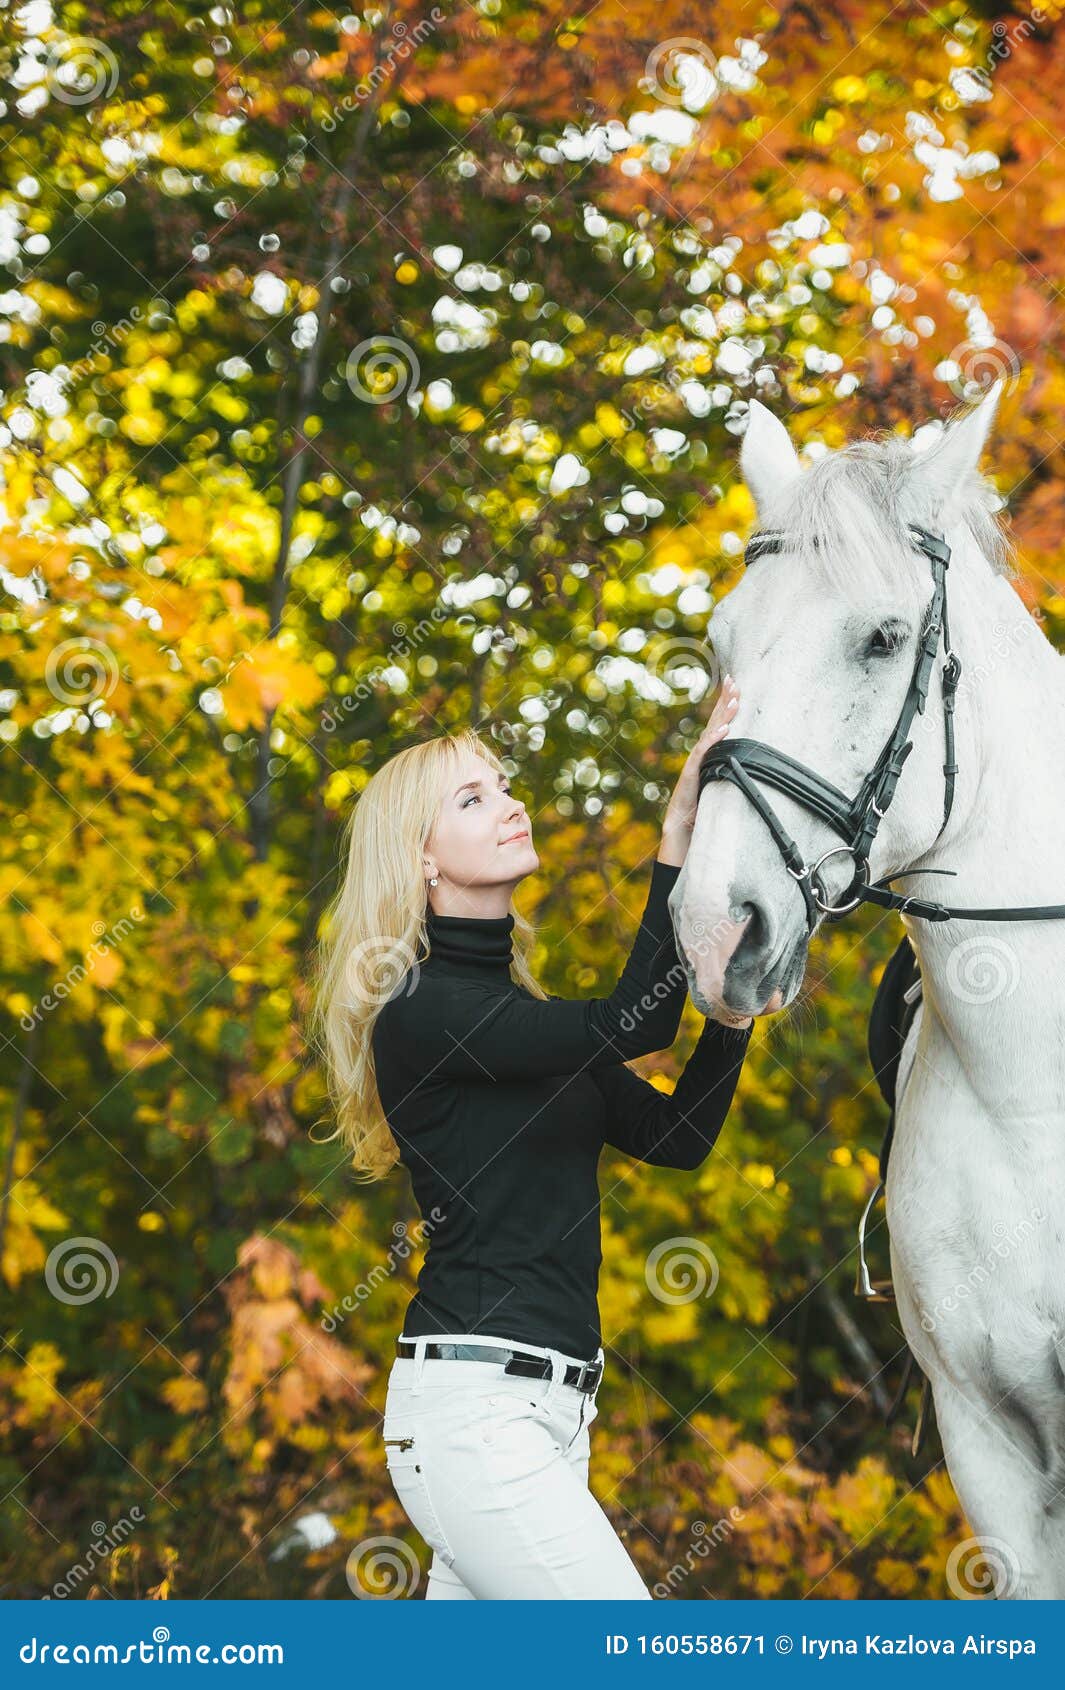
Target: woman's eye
[475, 799]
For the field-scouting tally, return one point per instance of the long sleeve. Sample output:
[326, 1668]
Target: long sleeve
[679, 1129]
[450, 1027]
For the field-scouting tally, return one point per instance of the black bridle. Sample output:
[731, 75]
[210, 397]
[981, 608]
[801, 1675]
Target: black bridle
[857, 819]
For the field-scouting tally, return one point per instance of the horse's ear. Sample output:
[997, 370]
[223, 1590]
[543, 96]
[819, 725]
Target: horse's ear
[768, 460]
[944, 468]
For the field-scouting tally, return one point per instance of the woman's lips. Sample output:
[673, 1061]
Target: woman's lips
[513, 840]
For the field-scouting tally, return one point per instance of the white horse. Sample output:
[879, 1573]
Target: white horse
[821, 641]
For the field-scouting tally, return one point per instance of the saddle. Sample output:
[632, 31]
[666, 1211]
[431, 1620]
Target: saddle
[894, 1008]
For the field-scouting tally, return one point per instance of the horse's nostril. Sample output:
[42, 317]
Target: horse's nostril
[756, 930]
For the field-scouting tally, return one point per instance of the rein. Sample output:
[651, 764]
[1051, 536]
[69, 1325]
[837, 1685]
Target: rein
[856, 820]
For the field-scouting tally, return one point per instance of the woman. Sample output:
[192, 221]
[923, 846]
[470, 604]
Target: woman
[498, 1101]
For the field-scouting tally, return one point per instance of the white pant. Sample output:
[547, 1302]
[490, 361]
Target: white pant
[493, 1471]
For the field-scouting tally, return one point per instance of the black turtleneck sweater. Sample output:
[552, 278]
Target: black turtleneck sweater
[500, 1103]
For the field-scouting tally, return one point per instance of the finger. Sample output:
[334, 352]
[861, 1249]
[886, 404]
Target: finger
[719, 719]
[715, 726]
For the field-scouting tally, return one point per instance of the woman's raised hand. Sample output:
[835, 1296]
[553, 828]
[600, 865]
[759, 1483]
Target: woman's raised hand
[679, 820]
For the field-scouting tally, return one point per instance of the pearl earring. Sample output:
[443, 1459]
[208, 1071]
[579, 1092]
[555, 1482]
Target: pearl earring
[433, 880]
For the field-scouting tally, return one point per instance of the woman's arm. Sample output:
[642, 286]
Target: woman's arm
[449, 1028]
[676, 1130]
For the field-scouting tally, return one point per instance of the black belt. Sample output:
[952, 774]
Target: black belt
[586, 1377]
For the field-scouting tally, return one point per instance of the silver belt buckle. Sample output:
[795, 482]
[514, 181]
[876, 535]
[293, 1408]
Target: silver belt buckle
[595, 1369]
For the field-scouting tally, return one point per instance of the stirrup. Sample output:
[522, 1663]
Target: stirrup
[921, 1428]
[870, 1290]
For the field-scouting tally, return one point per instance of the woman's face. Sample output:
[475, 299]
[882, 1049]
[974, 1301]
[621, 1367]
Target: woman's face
[482, 836]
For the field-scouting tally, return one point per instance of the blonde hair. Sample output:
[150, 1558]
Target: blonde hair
[374, 931]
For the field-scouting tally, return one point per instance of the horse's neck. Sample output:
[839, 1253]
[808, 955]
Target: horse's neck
[997, 988]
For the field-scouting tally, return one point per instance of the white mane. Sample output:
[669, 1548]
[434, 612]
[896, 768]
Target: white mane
[846, 517]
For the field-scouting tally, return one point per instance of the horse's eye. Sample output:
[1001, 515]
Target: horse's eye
[884, 640]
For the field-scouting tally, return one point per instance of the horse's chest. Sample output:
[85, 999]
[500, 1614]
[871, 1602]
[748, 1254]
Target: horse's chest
[977, 1222]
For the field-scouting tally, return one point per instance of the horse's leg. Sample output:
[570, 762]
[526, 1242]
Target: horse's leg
[1020, 1549]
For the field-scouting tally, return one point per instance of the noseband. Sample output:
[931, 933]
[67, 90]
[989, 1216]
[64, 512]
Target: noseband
[856, 820]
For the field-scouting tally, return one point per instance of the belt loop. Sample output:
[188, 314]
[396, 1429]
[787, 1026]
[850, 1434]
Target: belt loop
[558, 1373]
[419, 1364]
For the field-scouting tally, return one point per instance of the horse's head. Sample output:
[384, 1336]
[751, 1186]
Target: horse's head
[822, 637]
